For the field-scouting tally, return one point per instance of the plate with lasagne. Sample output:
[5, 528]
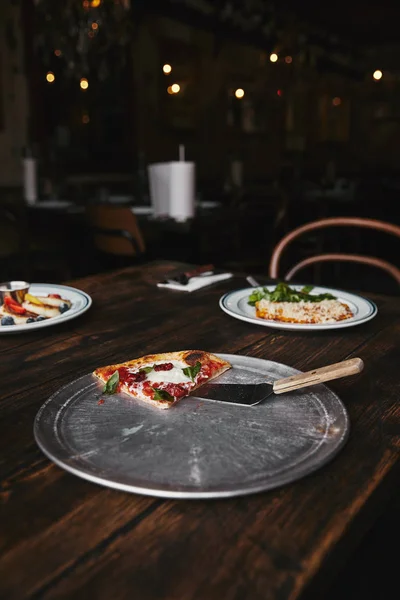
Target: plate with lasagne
[298, 307]
[40, 305]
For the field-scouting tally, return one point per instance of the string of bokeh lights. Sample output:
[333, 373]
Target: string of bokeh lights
[175, 88]
[239, 93]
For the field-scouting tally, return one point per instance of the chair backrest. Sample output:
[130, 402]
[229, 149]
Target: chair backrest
[335, 222]
[115, 230]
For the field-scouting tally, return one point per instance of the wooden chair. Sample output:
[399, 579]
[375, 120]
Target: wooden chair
[115, 230]
[376, 225]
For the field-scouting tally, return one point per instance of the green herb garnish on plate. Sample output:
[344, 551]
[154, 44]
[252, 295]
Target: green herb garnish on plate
[284, 293]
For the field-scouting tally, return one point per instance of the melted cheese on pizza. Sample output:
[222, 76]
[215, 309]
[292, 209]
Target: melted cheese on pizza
[174, 375]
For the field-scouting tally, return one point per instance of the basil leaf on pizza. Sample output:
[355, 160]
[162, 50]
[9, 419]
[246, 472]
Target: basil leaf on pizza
[112, 384]
[192, 371]
[162, 395]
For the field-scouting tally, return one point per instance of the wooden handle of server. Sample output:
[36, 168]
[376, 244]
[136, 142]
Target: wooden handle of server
[336, 371]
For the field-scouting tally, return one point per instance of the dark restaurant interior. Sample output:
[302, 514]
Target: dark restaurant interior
[289, 114]
[280, 114]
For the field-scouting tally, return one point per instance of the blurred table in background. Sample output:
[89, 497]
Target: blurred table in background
[237, 232]
[230, 236]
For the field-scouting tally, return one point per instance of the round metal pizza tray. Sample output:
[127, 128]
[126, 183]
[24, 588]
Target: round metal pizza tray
[198, 448]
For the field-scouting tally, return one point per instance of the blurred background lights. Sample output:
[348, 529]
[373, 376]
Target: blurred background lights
[175, 88]
[273, 57]
[167, 69]
[288, 60]
[337, 101]
[377, 75]
[239, 93]
[50, 77]
[84, 83]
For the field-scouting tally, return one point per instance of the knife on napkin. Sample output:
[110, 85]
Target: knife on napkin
[252, 394]
[183, 277]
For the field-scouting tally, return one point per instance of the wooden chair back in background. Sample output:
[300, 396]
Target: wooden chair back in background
[374, 224]
[115, 230]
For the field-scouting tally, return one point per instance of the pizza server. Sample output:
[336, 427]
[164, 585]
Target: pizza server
[252, 394]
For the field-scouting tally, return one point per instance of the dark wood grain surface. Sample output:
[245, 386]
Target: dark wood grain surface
[63, 537]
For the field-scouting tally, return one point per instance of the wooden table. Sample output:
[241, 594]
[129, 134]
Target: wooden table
[63, 537]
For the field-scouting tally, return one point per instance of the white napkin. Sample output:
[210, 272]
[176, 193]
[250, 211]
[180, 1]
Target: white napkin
[196, 283]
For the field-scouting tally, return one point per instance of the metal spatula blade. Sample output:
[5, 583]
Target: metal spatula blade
[243, 394]
[252, 394]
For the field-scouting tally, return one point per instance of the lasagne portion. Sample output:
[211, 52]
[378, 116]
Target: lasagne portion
[290, 305]
[326, 311]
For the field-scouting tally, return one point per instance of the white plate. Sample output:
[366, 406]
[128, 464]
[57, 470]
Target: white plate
[81, 302]
[209, 204]
[142, 210]
[51, 204]
[235, 304]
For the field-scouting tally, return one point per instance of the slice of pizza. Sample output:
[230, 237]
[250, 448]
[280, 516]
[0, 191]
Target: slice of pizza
[162, 379]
